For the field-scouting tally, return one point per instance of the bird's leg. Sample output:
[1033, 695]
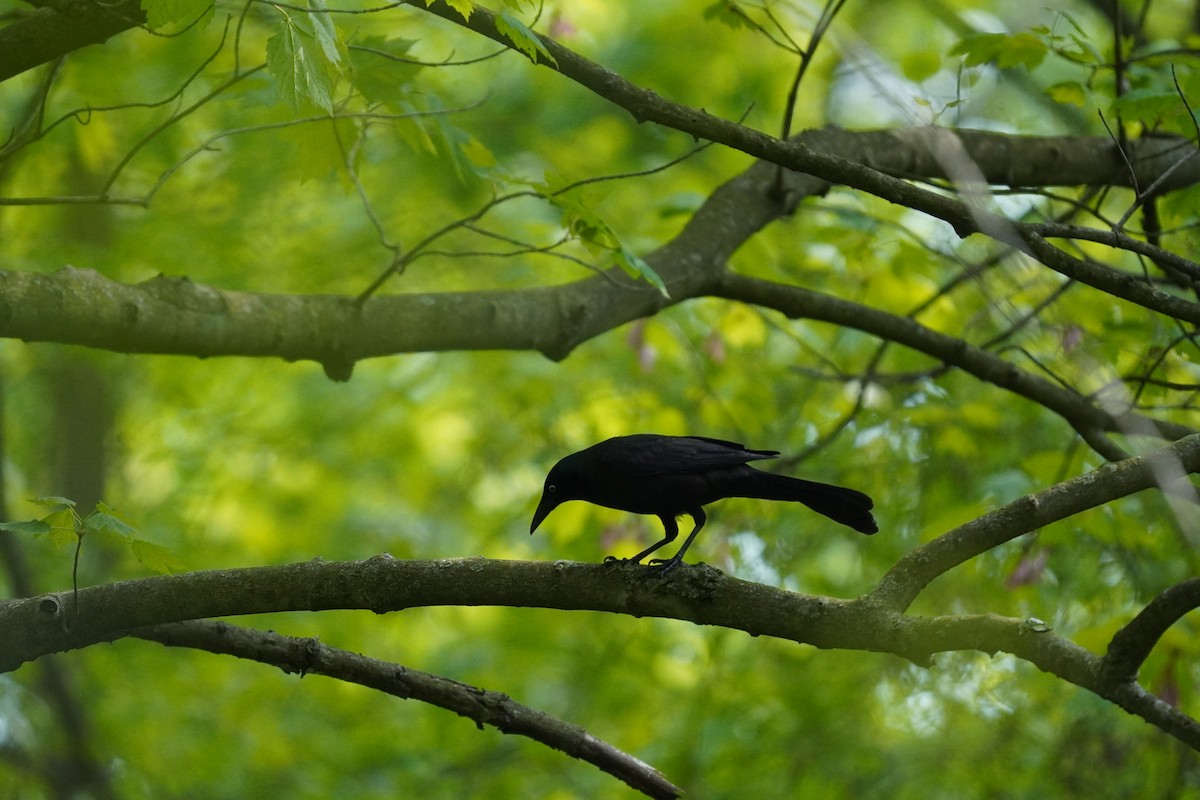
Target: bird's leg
[666, 564]
[670, 531]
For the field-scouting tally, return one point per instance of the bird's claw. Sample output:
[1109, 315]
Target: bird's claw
[662, 566]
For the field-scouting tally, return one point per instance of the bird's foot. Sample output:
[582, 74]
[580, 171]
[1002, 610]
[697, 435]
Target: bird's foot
[662, 566]
[657, 566]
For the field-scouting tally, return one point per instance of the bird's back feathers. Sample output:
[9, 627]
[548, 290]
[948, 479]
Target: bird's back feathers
[651, 454]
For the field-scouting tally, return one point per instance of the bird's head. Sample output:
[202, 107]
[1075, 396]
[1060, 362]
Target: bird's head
[562, 484]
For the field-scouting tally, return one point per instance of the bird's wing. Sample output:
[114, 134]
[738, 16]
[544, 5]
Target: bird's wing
[649, 454]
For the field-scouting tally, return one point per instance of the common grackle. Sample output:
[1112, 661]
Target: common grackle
[673, 475]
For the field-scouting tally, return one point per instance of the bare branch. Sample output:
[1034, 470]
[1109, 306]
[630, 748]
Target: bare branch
[305, 656]
[918, 568]
[1132, 644]
[1119, 241]
[798, 303]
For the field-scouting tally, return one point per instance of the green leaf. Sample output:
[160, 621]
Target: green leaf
[477, 153]
[1071, 21]
[1003, 49]
[1085, 50]
[381, 69]
[416, 130]
[35, 527]
[920, 65]
[978, 48]
[600, 239]
[522, 38]
[155, 557]
[463, 7]
[105, 523]
[449, 140]
[163, 12]
[315, 148]
[50, 501]
[62, 526]
[1068, 92]
[326, 33]
[1148, 104]
[635, 266]
[727, 14]
[1023, 50]
[586, 225]
[302, 70]
[62, 519]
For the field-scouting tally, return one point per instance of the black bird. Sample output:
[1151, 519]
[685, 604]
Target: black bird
[673, 475]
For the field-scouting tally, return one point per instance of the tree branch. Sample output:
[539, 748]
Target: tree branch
[1161, 468]
[304, 656]
[178, 316]
[965, 217]
[877, 177]
[33, 627]
[1131, 645]
[798, 303]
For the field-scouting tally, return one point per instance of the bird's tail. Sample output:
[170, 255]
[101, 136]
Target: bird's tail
[847, 506]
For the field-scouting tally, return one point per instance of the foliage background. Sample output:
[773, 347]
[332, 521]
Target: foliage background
[237, 462]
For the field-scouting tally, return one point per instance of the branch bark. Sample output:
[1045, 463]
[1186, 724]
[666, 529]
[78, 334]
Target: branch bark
[305, 656]
[178, 316]
[34, 627]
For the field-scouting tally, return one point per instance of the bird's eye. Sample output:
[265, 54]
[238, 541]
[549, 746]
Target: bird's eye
[552, 488]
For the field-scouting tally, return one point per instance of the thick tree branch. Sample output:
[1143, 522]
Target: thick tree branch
[34, 627]
[305, 656]
[1027, 161]
[169, 315]
[1161, 468]
[177, 316]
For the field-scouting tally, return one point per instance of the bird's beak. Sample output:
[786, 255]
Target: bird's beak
[544, 508]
